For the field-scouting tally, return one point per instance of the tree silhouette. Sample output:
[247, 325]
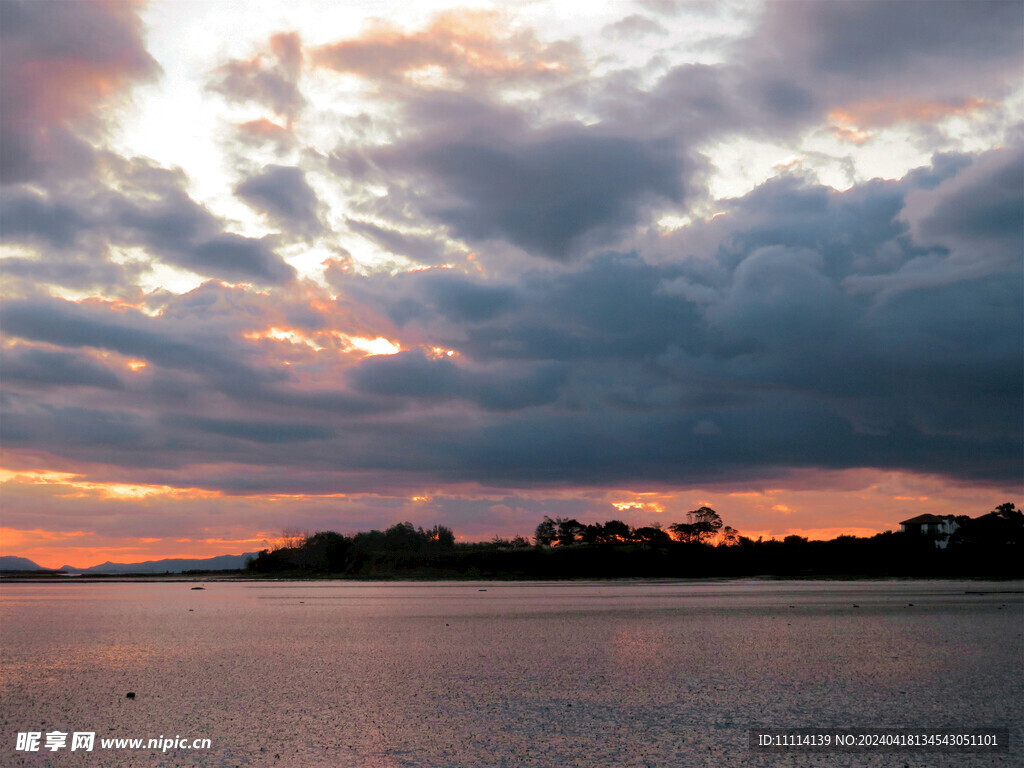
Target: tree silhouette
[651, 534]
[1004, 525]
[545, 534]
[988, 545]
[730, 536]
[615, 532]
[570, 531]
[440, 535]
[1008, 511]
[702, 526]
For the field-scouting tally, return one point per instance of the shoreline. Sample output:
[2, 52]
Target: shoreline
[238, 577]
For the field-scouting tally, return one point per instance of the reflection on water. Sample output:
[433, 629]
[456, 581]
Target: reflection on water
[446, 675]
[68, 660]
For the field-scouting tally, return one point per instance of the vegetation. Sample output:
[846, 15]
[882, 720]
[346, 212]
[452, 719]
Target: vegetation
[564, 548]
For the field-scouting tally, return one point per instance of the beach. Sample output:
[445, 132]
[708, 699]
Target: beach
[447, 674]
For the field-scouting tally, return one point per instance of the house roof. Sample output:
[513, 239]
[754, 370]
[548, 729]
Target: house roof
[926, 518]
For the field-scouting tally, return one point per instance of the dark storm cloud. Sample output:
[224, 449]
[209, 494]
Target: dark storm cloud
[207, 395]
[62, 429]
[30, 216]
[610, 306]
[234, 256]
[253, 430]
[73, 231]
[462, 299]
[980, 206]
[60, 232]
[480, 166]
[898, 58]
[791, 331]
[800, 339]
[413, 375]
[549, 194]
[41, 367]
[283, 193]
[467, 157]
[879, 37]
[66, 324]
[83, 272]
[808, 61]
[749, 442]
[803, 327]
[161, 218]
[61, 63]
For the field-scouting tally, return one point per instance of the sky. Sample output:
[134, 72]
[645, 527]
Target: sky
[277, 267]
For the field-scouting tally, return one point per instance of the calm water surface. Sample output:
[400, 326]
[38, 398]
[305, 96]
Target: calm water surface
[403, 675]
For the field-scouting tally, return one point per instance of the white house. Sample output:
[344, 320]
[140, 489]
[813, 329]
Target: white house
[940, 527]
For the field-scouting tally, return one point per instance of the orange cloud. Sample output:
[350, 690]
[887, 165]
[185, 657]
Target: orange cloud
[322, 340]
[854, 122]
[265, 130]
[459, 44]
[70, 485]
[13, 539]
[82, 79]
[639, 506]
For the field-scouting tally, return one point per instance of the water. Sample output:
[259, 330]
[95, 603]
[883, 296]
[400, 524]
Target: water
[402, 675]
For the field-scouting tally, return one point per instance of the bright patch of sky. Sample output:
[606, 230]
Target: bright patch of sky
[178, 122]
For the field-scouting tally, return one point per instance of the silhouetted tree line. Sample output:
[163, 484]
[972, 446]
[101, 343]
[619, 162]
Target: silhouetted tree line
[564, 548]
[703, 526]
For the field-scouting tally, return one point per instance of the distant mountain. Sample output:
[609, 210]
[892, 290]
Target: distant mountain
[11, 563]
[172, 565]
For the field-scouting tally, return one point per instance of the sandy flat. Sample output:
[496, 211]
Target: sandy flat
[506, 674]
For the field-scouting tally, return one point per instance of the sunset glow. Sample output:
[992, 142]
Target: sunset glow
[332, 266]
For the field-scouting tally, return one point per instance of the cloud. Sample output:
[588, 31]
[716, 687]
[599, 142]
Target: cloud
[42, 367]
[67, 324]
[64, 64]
[416, 376]
[663, 7]
[469, 46]
[73, 234]
[808, 64]
[274, 85]
[801, 327]
[835, 54]
[256, 133]
[157, 214]
[981, 207]
[466, 157]
[797, 336]
[252, 430]
[634, 27]
[550, 194]
[843, 38]
[283, 193]
[234, 256]
[419, 248]
[31, 216]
